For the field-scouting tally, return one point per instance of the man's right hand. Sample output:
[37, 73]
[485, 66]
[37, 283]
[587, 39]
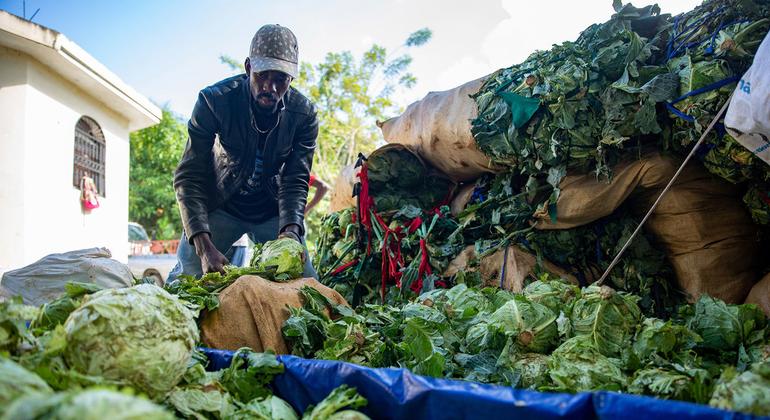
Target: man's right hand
[211, 259]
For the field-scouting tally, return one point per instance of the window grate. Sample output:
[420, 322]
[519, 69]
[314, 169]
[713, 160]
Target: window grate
[89, 154]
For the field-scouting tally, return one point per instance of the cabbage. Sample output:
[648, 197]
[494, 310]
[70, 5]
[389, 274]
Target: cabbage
[663, 338]
[671, 382]
[348, 415]
[340, 398]
[14, 333]
[270, 408]
[531, 324]
[748, 392]
[16, 381]
[201, 402]
[577, 366]
[556, 295]
[531, 370]
[91, 404]
[607, 317]
[282, 259]
[141, 335]
[723, 326]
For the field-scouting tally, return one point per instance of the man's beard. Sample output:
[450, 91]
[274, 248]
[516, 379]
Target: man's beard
[269, 109]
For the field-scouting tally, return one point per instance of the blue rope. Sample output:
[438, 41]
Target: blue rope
[686, 33]
[710, 49]
[704, 89]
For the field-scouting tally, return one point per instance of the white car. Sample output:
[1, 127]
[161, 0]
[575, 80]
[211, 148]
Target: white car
[144, 263]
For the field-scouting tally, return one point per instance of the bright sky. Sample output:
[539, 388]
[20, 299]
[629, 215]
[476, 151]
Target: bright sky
[169, 50]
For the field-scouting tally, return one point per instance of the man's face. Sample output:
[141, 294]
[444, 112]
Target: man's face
[267, 88]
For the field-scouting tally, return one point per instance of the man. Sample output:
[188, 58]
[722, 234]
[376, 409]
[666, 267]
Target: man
[321, 188]
[246, 165]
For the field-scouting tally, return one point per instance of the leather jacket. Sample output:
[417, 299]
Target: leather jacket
[221, 148]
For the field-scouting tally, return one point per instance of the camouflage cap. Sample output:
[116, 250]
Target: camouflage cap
[274, 47]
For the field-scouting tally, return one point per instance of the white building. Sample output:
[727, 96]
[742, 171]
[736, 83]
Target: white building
[62, 115]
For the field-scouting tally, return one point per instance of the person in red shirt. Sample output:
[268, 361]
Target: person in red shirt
[321, 188]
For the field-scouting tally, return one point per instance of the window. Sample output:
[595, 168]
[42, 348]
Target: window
[89, 154]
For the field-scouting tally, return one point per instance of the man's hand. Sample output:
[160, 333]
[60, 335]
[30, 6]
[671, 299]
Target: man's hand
[211, 259]
[293, 232]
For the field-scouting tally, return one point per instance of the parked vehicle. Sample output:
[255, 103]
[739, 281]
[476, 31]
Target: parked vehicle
[141, 259]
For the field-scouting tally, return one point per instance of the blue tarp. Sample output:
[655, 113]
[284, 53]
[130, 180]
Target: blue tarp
[397, 393]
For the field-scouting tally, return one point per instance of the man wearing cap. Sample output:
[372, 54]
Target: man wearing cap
[246, 165]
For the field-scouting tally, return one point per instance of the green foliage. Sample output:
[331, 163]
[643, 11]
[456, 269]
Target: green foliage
[249, 373]
[89, 404]
[15, 381]
[748, 392]
[342, 397]
[155, 153]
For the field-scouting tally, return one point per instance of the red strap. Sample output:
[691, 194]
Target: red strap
[344, 267]
[416, 223]
[311, 180]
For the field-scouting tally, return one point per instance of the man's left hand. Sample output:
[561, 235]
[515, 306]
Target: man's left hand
[291, 231]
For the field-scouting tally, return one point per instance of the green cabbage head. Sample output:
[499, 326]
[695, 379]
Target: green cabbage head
[269, 408]
[141, 335]
[557, 295]
[723, 326]
[282, 258]
[577, 366]
[91, 404]
[16, 381]
[532, 325]
[748, 392]
[607, 317]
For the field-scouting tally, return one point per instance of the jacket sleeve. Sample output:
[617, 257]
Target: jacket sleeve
[194, 177]
[292, 191]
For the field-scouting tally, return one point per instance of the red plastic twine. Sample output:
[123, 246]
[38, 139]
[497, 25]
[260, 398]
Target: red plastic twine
[344, 267]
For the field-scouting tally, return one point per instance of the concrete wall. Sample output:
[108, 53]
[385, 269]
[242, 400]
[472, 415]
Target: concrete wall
[49, 218]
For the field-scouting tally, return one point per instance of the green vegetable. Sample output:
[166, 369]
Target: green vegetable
[14, 334]
[270, 408]
[723, 326]
[15, 381]
[201, 403]
[281, 258]
[608, 318]
[249, 373]
[140, 335]
[556, 295]
[89, 404]
[531, 325]
[674, 382]
[342, 397]
[57, 311]
[748, 392]
[577, 366]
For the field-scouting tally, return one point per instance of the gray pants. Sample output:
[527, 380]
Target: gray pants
[226, 229]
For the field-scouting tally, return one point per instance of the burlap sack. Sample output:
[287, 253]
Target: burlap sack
[342, 191]
[461, 199]
[760, 294]
[700, 223]
[518, 266]
[438, 128]
[252, 311]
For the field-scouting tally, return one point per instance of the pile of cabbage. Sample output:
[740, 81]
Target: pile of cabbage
[130, 353]
[641, 80]
[552, 337]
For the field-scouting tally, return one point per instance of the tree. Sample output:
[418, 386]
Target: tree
[155, 153]
[351, 95]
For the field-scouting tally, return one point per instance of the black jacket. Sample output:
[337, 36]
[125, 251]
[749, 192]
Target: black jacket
[220, 151]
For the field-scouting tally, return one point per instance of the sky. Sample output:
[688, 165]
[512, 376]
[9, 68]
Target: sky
[169, 50]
